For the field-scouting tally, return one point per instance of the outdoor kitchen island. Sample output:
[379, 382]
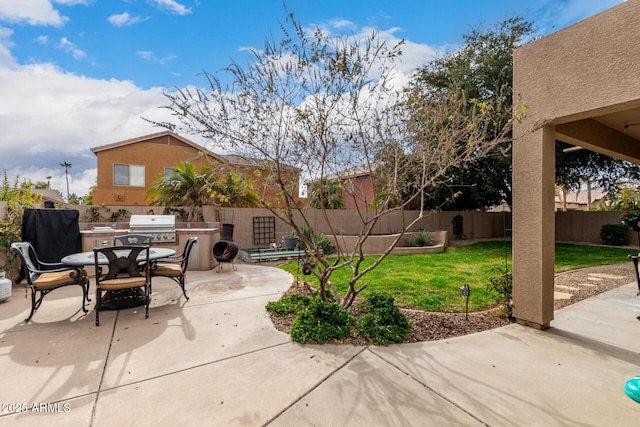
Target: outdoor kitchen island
[174, 235]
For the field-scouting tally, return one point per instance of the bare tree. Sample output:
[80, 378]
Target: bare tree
[329, 105]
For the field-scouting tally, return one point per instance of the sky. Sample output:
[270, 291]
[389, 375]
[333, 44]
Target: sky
[78, 74]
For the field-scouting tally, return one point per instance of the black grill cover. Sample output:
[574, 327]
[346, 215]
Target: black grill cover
[54, 233]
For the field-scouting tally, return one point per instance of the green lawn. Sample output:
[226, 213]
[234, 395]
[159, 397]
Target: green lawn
[431, 281]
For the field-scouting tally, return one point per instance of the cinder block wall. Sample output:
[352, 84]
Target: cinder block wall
[572, 226]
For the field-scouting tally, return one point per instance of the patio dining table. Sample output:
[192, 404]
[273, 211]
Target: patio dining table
[125, 298]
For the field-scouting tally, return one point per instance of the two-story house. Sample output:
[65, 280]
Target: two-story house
[127, 169]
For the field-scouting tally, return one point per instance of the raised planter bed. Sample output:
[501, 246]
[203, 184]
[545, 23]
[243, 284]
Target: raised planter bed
[268, 254]
[377, 244]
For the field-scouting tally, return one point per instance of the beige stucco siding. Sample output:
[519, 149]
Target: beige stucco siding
[590, 68]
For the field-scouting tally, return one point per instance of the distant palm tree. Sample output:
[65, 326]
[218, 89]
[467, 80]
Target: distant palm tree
[66, 166]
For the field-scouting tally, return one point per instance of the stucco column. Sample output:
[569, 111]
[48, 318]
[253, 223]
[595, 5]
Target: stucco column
[533, 226]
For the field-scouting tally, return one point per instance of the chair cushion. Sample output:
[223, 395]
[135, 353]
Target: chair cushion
[122, 283]
[49, 280]
[167, 270]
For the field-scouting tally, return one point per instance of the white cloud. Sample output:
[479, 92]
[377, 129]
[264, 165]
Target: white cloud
[561, 13]
[73, 2]
[71, 48]
[49, 116]
[342, 24]
[173, 7]
[33, 12]
[148, 55]
[413, 55]
[5, 46]
[44, 39]
[124, 19]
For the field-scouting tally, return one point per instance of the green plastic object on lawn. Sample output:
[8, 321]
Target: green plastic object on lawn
[632, 388]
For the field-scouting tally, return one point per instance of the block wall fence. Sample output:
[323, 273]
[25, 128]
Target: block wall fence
[572, 226]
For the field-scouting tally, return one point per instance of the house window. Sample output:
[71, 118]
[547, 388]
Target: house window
[167, 171]
[131, 175]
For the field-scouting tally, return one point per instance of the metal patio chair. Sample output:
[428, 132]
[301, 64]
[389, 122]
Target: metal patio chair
[175, 267]
[122, 275]
[44, 277]
[132, 240]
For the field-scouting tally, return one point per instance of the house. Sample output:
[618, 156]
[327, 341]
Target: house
[127, 169]
[579, 200]
[356, 184]
[50, 198]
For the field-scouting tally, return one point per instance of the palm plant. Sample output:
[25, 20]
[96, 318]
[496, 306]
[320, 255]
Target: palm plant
[326, 194]
[234, 190]
[185, 187]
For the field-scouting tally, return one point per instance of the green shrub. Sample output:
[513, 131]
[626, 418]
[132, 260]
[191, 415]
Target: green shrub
[501, 282]
[19, 196]
[382, 322]
[320, 322]
[120, 215]
[614, 234]
[321, 241]
[422, 238]
[324, 244]
[294, 303]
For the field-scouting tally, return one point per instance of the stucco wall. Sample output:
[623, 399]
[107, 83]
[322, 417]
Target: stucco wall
[155, 154]
[476, 225]
[589, 66]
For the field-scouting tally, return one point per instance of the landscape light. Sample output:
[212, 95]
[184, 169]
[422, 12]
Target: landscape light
[465, 291]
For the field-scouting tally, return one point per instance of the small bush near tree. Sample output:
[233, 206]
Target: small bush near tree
[614, 234]
[383, 322]
[320, 322]
[501, 282]
[294, 303]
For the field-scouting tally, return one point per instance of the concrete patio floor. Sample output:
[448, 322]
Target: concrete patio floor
[217, 360]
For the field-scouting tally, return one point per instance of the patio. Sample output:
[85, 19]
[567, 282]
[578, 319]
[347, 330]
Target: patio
[217, 360]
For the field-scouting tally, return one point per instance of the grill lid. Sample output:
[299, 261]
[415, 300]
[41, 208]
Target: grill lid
[166, 222]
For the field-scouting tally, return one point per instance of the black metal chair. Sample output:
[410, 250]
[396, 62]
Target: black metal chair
[634, 258]
[44, 277]
[175, 267]
[132, 240]
[122, 273]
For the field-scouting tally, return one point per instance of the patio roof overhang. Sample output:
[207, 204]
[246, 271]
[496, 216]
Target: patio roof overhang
[580, 86]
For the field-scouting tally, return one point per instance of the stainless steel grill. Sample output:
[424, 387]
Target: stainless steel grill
[162, 228]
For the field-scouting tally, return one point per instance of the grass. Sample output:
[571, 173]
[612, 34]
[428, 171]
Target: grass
[431, 281]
